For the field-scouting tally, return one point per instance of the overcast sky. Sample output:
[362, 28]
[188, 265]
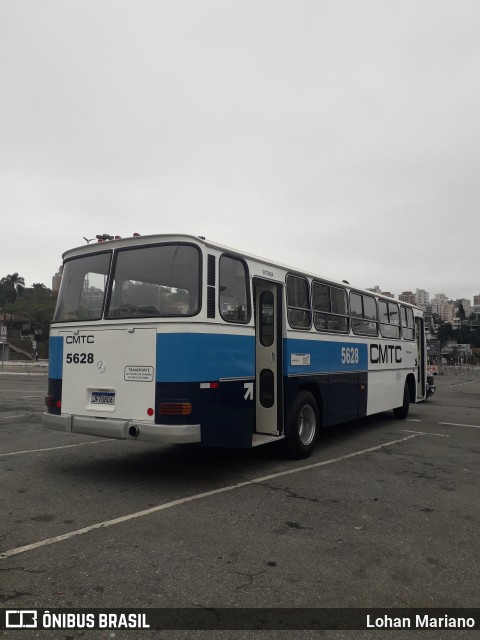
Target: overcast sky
[341, 137]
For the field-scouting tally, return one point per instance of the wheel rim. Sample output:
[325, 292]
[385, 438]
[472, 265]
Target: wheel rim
[307, 424]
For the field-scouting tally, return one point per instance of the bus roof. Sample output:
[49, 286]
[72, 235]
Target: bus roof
[138, 241]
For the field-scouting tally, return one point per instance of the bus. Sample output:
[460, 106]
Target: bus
[175, 339]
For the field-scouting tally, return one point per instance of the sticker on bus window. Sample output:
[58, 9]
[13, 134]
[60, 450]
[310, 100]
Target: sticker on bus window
[138, 374]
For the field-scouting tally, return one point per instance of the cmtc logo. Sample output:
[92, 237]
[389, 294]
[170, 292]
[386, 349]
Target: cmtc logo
[385, 353]
[20, 619]
[80, 339]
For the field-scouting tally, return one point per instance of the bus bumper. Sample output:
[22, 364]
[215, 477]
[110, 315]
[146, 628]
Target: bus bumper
[123, 429]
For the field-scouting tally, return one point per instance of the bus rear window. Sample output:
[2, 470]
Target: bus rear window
[82, 291]
[160, 280]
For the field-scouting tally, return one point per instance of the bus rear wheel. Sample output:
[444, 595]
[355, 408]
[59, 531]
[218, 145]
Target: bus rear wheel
[303, 426]
[402, 412]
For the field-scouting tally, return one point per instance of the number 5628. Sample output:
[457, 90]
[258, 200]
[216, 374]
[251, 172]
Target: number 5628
[80, 358]
[349, 355]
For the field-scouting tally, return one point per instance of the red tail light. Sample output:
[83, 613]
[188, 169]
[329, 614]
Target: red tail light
[175, 409]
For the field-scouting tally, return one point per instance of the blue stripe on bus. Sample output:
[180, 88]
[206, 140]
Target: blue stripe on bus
[55, 361]
[197, 357]
[325, 356]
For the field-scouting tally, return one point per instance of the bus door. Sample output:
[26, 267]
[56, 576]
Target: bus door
[268, 357]
[422, 357]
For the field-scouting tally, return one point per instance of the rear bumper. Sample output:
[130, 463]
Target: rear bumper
[123, 429]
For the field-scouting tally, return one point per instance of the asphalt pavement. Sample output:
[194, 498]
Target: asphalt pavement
[384, 514]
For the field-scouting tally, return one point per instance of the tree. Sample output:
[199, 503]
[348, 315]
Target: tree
[38, 306]
[11, 287]
[445, 332]
[461, 313]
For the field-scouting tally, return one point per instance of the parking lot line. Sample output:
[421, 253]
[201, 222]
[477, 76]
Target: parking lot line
[427, 433]
[460, 384]
[65, 446]
[198, 496]
[458, 424]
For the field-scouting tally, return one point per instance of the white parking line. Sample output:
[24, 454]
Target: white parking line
[64, 446]
[427, 433]
[458, 424]
[19, 415]
[18, 392]
[460, 384]
[198, 496]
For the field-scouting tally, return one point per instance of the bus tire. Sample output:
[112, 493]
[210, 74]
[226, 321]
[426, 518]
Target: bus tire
[303, 426]
[402, 412]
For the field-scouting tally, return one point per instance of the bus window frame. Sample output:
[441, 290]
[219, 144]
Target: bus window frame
[105, 293]
[389, 323]
[241, 259]
[309, 308]
[113, 267]
[346, 316]
[363, 318]
[408, 311]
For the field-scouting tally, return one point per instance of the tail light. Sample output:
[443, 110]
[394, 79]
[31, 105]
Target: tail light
[175, 408]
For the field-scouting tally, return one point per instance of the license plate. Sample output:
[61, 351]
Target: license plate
[103, 397]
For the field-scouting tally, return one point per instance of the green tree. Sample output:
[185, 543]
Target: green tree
[445, 333]
[463, 335]
[37, 305]
[11, 287]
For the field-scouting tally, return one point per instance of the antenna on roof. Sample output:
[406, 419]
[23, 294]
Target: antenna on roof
[103, 237]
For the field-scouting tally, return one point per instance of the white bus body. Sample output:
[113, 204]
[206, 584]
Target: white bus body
[174, 339]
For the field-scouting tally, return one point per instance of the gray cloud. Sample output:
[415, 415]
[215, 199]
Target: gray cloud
[339, 137]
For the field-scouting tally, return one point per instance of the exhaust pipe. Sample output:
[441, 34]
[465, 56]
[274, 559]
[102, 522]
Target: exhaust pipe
[133, 431]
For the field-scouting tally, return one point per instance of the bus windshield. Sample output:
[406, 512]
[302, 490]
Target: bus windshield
[82, 292]
[159, 280]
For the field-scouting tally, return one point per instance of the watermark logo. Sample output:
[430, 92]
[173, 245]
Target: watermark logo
[21, 619]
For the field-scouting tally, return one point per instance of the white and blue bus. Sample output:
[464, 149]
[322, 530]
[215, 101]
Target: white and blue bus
[174, 339]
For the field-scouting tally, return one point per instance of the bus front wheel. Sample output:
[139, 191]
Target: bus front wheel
[402, 412]
[303, 426]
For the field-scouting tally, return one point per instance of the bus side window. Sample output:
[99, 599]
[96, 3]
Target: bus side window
[363, 311]
[298, 302]
[408, 329]
[233, 278]
[330, 310]
[389, 319]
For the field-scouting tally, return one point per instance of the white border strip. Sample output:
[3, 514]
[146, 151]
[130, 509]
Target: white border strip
[198, 496]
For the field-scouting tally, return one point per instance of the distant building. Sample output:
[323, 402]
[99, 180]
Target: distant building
[407, 296]
[57, 279]
[376, 289]
[466, 305]
[422, 297]
[443, 307]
